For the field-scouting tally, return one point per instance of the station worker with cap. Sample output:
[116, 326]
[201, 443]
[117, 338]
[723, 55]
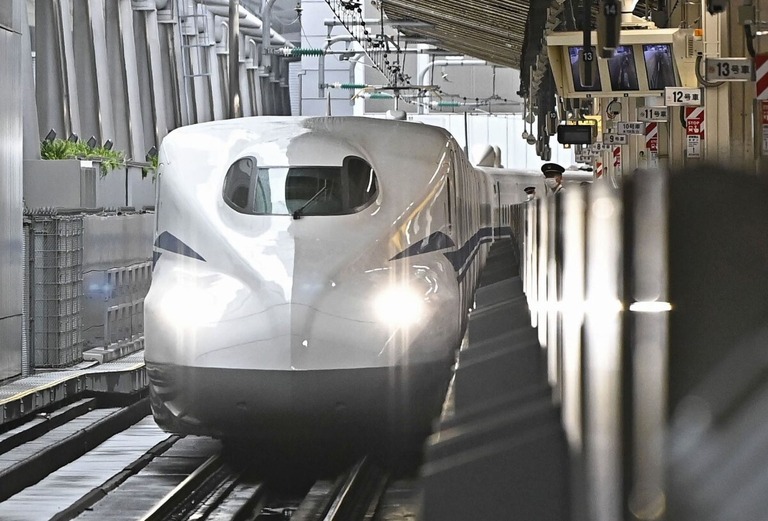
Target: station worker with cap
[553, 174]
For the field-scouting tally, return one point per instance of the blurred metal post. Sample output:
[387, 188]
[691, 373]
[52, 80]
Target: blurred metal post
[235, 109]
[650, 338]
[603, 356]
[554, 264]
[542, 243]
[572, 309]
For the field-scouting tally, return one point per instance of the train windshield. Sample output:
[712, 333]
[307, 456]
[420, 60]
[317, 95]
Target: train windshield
[312, 190]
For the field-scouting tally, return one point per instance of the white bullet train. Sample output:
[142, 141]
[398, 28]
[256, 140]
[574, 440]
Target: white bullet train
[312, 276]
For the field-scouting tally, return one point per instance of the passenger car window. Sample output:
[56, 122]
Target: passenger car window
[314, 190]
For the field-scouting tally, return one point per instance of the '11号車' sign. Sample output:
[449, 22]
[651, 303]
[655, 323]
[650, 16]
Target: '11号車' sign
[652, 113]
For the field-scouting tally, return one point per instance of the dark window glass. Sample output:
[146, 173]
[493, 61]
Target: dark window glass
[319, 190]
[237, 184]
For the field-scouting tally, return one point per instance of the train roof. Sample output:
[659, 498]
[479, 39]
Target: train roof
[276, 140]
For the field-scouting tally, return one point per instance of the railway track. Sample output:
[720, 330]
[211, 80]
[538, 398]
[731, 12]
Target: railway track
[86, 462]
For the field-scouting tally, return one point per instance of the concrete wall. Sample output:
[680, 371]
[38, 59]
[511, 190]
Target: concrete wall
[11, 152]
[117, 253]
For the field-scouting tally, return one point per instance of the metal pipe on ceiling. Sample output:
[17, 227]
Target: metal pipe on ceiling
[250, 24]
[321, 60]
[235, 110]
[266, 18]
[440, 63]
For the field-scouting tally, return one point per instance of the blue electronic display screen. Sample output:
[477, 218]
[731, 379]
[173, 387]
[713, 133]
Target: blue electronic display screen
[659, 66]
[574, 53]
[622, 69]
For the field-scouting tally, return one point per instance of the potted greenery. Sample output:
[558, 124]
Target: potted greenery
[107, 158]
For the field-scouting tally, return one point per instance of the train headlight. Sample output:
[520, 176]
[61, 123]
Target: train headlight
[191, 302]
[399, 306]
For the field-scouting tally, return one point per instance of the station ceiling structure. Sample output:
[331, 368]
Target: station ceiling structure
[505, 32]
[491, 30]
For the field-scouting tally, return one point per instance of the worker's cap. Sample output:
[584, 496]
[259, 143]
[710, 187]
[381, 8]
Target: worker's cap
[552, 169]
[529, 189]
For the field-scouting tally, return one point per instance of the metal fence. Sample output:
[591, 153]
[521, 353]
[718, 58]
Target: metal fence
[55, 284]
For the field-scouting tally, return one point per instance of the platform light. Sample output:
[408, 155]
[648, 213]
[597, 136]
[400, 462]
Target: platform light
[650, 306]
[73, 138]
[108, 144]
[50, 136]
[92, 141]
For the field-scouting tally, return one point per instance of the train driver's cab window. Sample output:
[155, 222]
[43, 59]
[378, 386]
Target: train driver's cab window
[308, 190]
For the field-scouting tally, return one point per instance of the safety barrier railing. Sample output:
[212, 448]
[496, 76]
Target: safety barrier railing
[594, 270]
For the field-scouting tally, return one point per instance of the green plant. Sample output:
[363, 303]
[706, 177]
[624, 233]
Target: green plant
[56, 149]
[151, 168]
[63, 149]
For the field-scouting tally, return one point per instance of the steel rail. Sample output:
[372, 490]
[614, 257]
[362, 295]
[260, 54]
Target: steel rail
[177, 497]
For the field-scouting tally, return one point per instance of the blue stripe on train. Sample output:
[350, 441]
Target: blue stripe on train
[169, 242]
[462, 258]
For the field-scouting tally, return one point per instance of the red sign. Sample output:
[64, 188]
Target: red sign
[652, 136]
[598, 169]
[617, 158]
[764, 111]
[694, 121]
[761, 75]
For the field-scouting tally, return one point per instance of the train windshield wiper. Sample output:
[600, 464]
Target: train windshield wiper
[298, 212]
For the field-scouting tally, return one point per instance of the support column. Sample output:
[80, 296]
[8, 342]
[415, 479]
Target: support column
[93, 71]
[11, 155]
[217, 87]
[235, 98]
[156, 75]
[55, 63]
[717, 105]
[742, 97]
[172, 74]
[124, 81]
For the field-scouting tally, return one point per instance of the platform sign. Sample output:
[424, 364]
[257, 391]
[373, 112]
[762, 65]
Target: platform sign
[761, 76]
[630, 127]
[694, 131]
[615, 139]
[683, 96]
[585, 156]
[652, 113]
[652, 144]
[764, 117]
[729, 69]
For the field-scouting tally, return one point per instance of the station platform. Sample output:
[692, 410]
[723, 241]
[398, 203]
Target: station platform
[28, 395]
[499, 450]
